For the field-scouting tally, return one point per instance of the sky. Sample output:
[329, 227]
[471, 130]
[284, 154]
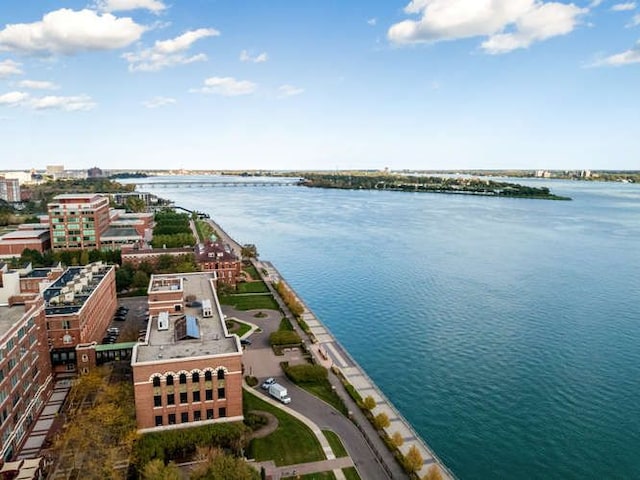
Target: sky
[326, 84]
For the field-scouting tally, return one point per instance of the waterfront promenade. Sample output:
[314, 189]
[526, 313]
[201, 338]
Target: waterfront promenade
[327, 351]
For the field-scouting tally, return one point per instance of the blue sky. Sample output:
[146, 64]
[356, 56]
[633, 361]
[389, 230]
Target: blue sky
[221, 84]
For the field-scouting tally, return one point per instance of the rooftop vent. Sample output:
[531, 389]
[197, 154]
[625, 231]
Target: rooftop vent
[163, 321]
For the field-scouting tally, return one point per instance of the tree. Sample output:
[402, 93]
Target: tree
[249, 250]
[381, 421]
[219, 466]
[433, 473]
[369, 403]
[413, 460]
[84, 257]
[397, 439]
[157, 470]
[135, 204]
[140, 280]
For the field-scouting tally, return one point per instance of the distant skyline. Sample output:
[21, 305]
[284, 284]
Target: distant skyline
[421, 84]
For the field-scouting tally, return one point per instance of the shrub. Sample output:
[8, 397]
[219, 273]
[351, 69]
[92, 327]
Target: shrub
[413, 460]
[307, 373]
[251, 381]
[397, 439]
[284, 338]
[381, 421]
[353, 393]
[369, 403]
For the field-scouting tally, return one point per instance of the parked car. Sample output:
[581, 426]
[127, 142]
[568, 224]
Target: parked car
[115, 330]
[268, 382]
[123, 308]
[119, 318]
[244, 341]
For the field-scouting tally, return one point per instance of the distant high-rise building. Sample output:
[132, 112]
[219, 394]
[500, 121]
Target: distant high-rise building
[78, 220]
[55, 170]
[9, 189]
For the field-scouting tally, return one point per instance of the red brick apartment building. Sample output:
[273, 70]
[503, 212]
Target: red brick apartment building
[78, 220]
[188, 371]
[219, 257]
[25, 371]
[79, 306]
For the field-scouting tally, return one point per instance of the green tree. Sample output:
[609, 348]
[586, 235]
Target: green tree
[84, 257]
[219, 465]
[381, 421]
[157, 470]
[369, 402]
[140, 279]
[32, 256]
[413, 459]
[249, 250]
[135, 204]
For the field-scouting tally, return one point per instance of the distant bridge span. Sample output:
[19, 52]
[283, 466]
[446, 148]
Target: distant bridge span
[214, 183]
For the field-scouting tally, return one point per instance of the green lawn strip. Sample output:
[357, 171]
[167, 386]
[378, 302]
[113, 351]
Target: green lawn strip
[325, 393]
[250, 302]
[313, 476]
[336, 444]
[238, 327]
[292, 442]
[252, 287]
[351, 473]
[251, 270]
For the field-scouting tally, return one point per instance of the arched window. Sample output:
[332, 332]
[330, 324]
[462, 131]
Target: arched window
[169, 379]
[156, 381]
[195, 377]
[220, 374]
[207, 376]
[183, 378]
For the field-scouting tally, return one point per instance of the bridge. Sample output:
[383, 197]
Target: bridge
[217, 183]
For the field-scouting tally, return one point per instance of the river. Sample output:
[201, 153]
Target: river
[507, 331]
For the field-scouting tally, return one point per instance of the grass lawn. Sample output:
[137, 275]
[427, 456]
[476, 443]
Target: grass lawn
[324, 392]
[250, 302]
[251, 270]
[336, 444]
[291, 443]
[252, 287]
[313, 476]
[351, 473]
[238, 327]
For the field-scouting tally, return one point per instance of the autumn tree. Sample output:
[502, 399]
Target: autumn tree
[381, 421]
[369, 402]
[413, 459]
[157, 470]
[397, 439]
[433, 473]
[219, 465]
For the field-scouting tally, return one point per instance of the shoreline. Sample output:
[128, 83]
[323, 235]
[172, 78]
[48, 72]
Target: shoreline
[327, 351]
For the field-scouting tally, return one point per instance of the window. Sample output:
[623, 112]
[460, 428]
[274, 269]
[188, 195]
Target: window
[157, 401]
[208, 394]
[220, 374]
[66, 324]
[197, 416]
[171, 399]
[196, 395]
[183, 397]
[158, 420]
[85, 357]
[183, 378]
[184, 417]
[156, 381]
[195, 378]
[222, 412]
[169, 379]
[209, 413]
[207, 376]
[172, 419]
[220, 393]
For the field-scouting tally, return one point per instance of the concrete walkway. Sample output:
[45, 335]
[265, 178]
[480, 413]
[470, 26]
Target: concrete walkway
[336, 465]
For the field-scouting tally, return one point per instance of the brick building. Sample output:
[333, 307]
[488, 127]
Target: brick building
[79, 307]
[77, 220]
[9, 189]
[25, 371]
[220, 258]
[12, 244]
[188, 371]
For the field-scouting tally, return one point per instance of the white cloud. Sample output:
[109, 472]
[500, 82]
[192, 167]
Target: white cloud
[69, 104]
[595, 3]
[289, 91]
[157, 102]
[168, 53]
[38, 85]
[246, 57]
[68, 31]
[9, 67]
[227, 86]
[635, 21]
[624, 7]
[13, 98]
[627, 57]
[509, 24]
[154, 6]
[372, 22]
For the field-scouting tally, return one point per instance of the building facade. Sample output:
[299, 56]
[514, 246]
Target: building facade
[77, 221]
[9, 189]
[219, 258]
[79, 307]
[188, 370]
[25, 372]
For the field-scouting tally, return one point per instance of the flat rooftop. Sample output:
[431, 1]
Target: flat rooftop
[71, 290]
[213, 338]
[25, 234]
[9, 316]
[119, 232]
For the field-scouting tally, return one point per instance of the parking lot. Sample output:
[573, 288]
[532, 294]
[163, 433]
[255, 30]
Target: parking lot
[127, 325]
